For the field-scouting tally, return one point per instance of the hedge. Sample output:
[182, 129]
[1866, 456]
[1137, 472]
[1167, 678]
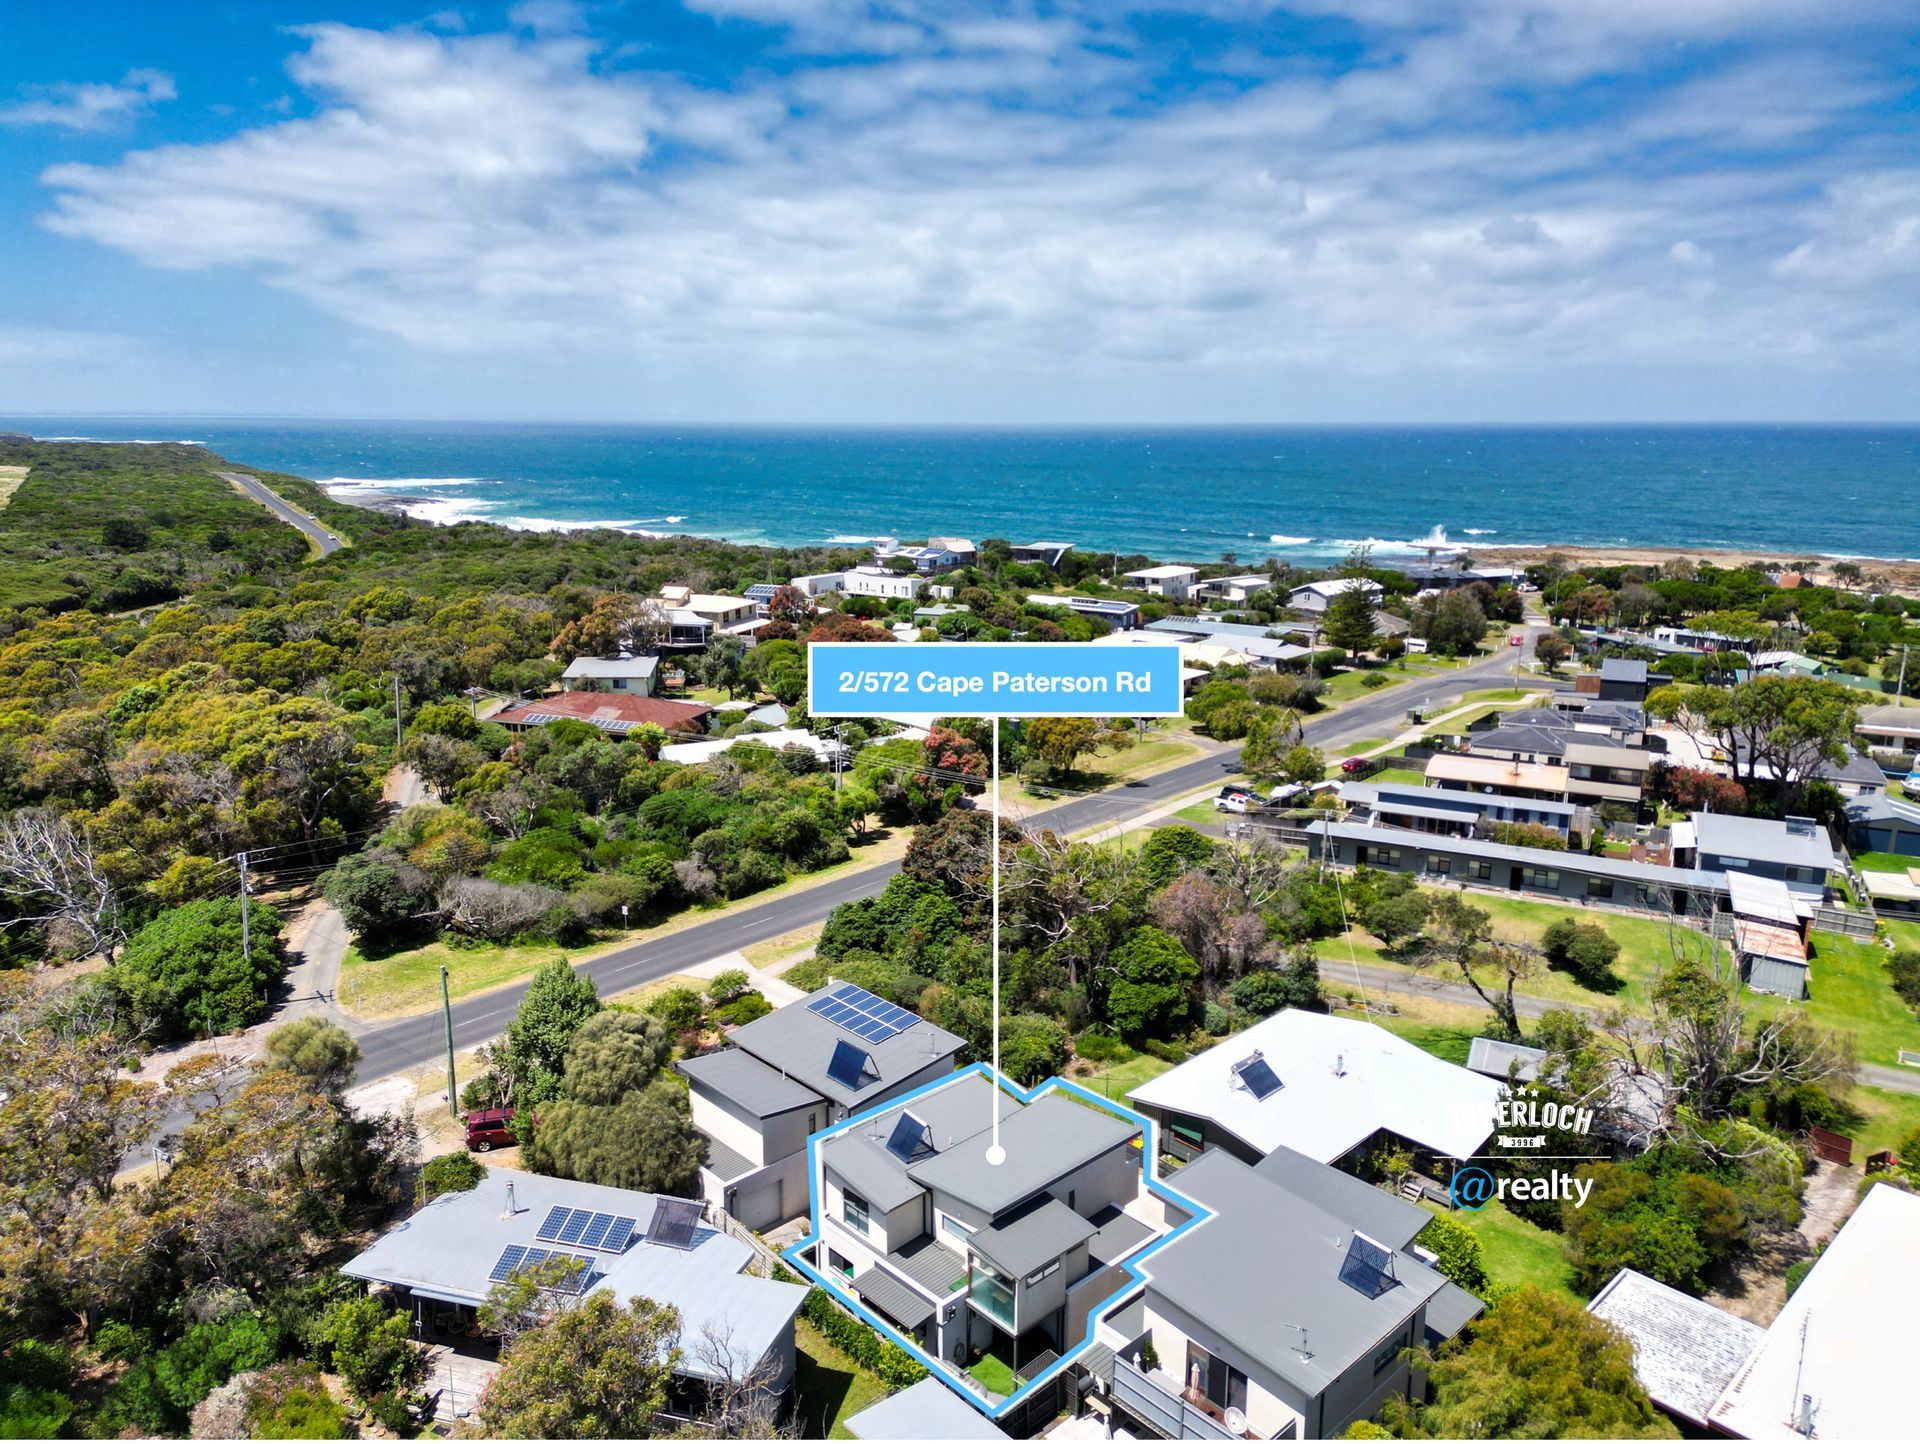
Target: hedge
[894, 1366]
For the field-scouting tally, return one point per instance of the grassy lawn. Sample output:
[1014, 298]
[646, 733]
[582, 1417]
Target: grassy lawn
[1365, 744]
[1888, 1118]
[408, 981]
[1199, 814]
[774, 949]
[1884, 862]
[1850, 991]
[994, 1372]
[1102, 770]
[1116, 1080]
[1408, 776]
[1516, 1251]
[1345, 685]
[829, 1387]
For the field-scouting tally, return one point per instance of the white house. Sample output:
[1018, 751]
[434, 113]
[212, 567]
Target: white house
[1235, 589]
[1320, 1085]
[629, 674]
[1173, 582]
[879, 582]
[817, 584]
[1047, 553]
[1316, 597]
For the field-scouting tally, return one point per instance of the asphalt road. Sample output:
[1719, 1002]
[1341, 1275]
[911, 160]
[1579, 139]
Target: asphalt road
[409, 1042]
[328, 542]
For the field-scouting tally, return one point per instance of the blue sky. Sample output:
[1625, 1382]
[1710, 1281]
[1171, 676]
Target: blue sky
[834, 210]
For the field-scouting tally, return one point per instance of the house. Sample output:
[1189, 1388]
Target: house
[1454, 813]
[722, 613]
[625, 673]
[1600, 767]
[1323, 1086]
[793, 1072]
[1884, 824]
[965, 553]
[1234, 589]
[1315, 597]
[687, 631]
[1571, 876]
[1119, 615]
[1222, 630]
[1685, 1350]
[1769, 935]
[880, 582]
[1796, 851]
[931, 559]
[1890, 727]
[1623, 680]
[443, 1260]
[1496, 776]
[926, 1410]
[615, 713]
[781, 738]
[1833, 1364]
[916, 1227]
[1285, 1311]
[817, 584]
[1897, 893]
[1172, 582]
[1046, 553]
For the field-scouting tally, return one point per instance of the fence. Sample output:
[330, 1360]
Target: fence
[765, 1260]
[1848, 922]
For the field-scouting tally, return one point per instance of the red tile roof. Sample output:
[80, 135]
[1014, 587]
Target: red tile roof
[608, 711]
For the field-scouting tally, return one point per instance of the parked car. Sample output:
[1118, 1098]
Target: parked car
[1232, 802]
[1355, 764]
[490, 1128]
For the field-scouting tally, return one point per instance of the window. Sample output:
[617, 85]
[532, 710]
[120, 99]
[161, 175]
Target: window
[853, 1210]
[952, 1225]
[1384, 1360]
[1540, 877]
[1480, 871]
[1599, 887]
[1439, 864]
[1047, 1272]
[992, 1293]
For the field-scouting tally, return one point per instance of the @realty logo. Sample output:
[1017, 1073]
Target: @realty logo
[1473, 1189]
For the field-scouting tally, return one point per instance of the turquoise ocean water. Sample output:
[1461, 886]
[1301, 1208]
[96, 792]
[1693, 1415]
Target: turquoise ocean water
[1301, 494]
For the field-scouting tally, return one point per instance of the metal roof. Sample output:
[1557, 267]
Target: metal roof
[953, 1114]
[1777, 976]
[1622, 669]
[1498, 771]
[799, 1042]
[1649, 874]
[727, 1164]
[447, 1249]
[1685, 1351]
[1491, 1057]
[893, 1298]
[1451, 1310]
[1763, 838]
[1267, 1264]
[1375, 1212]
[1116, 1234]
[741, 1078]
[1459, 804]
[1044, 1141]
[1033, 1237]
[612, 667]
[926, 1410]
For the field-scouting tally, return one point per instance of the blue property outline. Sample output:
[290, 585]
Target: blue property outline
[1133, 1267]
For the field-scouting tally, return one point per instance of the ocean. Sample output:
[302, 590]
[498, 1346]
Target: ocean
[1300, 494]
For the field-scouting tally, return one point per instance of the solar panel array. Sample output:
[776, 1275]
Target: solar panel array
[515, 1257]
[1368, 1267]
[605, 724]
[1258, 1076]
[608, 1232]
[912, 1140]
[675, 1221]
[849, 1067]
[862, 1014]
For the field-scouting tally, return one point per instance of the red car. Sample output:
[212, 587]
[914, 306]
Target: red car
[1354, 764]
[490, 1128]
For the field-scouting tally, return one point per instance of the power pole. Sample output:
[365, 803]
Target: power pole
[446, 1007]
[399, 732]
[1900, 687]
[246, 932]
[839, 753]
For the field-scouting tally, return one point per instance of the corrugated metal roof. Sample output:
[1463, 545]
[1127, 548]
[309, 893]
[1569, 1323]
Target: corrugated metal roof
[1451, 1310]
[926, 1410]
[799, 1042]
[1044, 1141]
[1491, 1057]
[1772, 975]
[738, 1076]
[1685, 1351]
[1036, 1236]
[893, 1298]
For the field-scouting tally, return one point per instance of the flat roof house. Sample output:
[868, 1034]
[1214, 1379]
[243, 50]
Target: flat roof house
[1234, 589]
[723, 613]
[1047, 553]
[612, 712]
[1455, 813]
[444, 1259]
[1796, 850]
[1623, 679]
[1890, 726]
[634, 675]
[1173, 582]
[817, 584]
[1498, 776]
[879, 582]
[792, 1073]
[1120, 615]
[960, 1255]
[1285, 1314]
[1320, 1085]
[1316, 597]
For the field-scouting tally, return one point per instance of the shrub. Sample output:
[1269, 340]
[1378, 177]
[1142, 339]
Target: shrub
[1375, 680]
[743, 1010]
[1586, 950]
[1099, 1047]
[187, 972]
[677, 1007]
[1904, 966]
[370, 1346]
[896, 1368]
[36, 1385]
[291, 1401]
[450, 1173]
[1271, 989]
[728, 985]
[159, 1391]
[1458, 1248]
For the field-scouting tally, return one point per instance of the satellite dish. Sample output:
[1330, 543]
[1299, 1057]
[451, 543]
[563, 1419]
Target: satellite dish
[1236, 1423]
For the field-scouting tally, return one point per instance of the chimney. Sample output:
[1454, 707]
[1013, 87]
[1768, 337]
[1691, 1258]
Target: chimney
[510, 1210]
[1803, 1424]
[1339, 1065]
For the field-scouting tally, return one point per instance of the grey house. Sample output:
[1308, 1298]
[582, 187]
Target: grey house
[1286, 1315]
[1568, 876]
[1456, 814]
[1884, 824]
[1623, 680]
[792, 1073]
[1795, 851]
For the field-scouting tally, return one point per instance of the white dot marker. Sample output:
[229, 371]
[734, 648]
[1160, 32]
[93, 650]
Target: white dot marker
[996, 1155]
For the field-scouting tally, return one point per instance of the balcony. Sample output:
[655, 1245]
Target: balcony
[992, 1298]
[1158, 1402]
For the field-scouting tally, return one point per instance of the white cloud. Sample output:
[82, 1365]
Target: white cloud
[994, 194]
[91, 107]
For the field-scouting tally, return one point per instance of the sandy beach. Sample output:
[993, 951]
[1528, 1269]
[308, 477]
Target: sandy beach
[1902, 574]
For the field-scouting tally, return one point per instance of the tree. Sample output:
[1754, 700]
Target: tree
[370, 1345]
[1393, 917]
[723, 664]
[1303, 765]
[1550, 649]
[323, 1053]
[1586, 950]
[1538, 1367]
[1151, 990]
[379, 893]
[188, 973]
[613, 1054]
[1059, 741]
[1462, 935]
[1272, 738]
[1457, 624]
[1268, 990]
[598, 1371]
[1349, 623]
[557, 1003]
[1170, 851]
[1772, 727]
[645, 1141]
[52, 882]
